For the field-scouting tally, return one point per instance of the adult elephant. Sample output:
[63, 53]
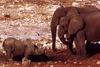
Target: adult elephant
[69, 23]
[80, 27]
[61, 12]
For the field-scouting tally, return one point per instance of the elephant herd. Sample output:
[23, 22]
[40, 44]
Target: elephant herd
[75, 24]
[78, 24]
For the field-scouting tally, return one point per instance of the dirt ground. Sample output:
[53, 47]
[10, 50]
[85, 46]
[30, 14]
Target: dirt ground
[60, 58]
[21, 16]
[57, 59]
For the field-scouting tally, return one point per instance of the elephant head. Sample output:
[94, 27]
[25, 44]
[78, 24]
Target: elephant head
[74, 20]
[13, 47]
[62, 29]
[69, 25]
[8, 46]
[60, 12]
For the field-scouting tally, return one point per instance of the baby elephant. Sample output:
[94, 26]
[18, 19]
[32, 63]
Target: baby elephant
[14, 47]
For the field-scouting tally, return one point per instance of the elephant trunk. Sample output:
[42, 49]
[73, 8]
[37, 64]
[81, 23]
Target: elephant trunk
[60, 12]
[61, 34]
[53, 33]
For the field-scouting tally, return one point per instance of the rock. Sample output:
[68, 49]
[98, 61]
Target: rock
[26, 63]
[51, 65]
[88, 66]
[75, 62]
[65, 62]
[98, 62]
[75, 4]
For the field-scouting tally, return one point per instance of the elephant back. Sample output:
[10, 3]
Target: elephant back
[88, 9]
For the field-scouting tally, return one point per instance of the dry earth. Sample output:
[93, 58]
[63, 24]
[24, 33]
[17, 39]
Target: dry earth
[24, 19]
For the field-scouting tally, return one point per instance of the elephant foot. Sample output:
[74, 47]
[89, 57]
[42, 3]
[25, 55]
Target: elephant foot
[68, 54]
[26, 63]
[24, 59]
[74, 52]
[10, 60]
[82, 56]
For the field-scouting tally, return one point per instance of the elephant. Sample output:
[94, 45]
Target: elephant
[65, 27]
[90, 33]
[14, 47]
[61, 12]
[80, 30]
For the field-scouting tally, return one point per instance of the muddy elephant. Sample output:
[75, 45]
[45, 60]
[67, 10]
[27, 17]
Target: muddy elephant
[80, 27]
[14, 47]
[61, 12]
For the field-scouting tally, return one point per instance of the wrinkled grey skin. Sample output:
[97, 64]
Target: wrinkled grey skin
[61, 12]
[14, 47]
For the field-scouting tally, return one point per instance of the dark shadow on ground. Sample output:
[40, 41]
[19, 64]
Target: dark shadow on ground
[35, 58]
[61, 55]
[92, 49]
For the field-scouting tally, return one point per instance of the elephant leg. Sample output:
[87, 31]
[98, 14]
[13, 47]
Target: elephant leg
[27, 53]
[70, 45]
[88, 48]
[80, 44]
[88, 43]
[9, 56]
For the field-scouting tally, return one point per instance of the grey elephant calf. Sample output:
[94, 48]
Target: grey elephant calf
[14, 47]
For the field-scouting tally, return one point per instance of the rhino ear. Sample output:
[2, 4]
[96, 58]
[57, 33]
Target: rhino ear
[74, 26]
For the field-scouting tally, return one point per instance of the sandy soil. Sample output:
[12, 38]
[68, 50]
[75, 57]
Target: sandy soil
[61, 58]
[31, 19]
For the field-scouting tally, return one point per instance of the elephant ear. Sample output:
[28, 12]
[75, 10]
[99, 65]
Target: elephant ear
[75, 25]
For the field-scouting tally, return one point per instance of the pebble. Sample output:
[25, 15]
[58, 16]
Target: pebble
[59, 61]
[35, 65]
[2, 65]
[75, 62]
[98, 62]
[55, 62]
[6, 65]
[17, 63]
[88, 66]
[39, 63]
[51, 65]
[65, 62]
[49, 62]
[80, 62]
